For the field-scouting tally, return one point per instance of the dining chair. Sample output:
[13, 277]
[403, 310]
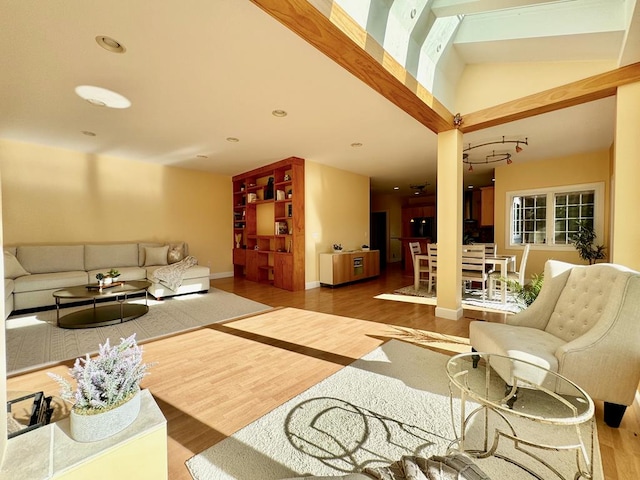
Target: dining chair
[473, 267]
[420, 265]
[432, 252]
[495, 278]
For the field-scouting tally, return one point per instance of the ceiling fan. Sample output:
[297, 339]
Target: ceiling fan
[420, 189]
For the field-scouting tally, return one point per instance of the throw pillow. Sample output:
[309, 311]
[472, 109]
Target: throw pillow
[155, 255]
[12, 267]
[176, 252]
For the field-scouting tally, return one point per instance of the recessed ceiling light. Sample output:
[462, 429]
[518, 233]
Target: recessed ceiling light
[396, 188]
[110, 44]
[88, 133]
[202, 156]
[102, 97]
[279, 113]
[356, 144]
[470, 186]
[233, 139]
[493, 179]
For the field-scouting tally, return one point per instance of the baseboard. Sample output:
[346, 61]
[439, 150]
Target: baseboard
[213, 276]
[448, 313]
[310, 285]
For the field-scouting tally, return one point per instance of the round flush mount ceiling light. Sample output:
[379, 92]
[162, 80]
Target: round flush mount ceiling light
[101, 97]
[110, 44]
[279, 113]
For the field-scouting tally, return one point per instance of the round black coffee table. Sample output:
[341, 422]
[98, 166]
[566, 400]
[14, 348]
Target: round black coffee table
[100, 316]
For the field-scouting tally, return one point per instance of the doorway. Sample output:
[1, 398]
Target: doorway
[378, 235]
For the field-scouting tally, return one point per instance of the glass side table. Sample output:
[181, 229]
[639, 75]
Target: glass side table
[512, 389]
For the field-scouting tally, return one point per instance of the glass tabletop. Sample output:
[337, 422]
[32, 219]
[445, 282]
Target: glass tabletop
[91, 291]
[521, 388]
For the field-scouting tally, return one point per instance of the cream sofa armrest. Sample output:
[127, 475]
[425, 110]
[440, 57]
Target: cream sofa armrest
[538, 313]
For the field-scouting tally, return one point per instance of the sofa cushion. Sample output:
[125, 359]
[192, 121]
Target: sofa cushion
[12, 267]
[155, 255]
[177, 252]
[49, 281]
[52, 258]
[110, 256]
[142, 251]
[126, 273]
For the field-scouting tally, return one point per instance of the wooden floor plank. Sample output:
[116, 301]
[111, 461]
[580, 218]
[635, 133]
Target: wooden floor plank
[213, 381]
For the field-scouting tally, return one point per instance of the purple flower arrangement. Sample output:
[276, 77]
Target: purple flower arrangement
[106, 381]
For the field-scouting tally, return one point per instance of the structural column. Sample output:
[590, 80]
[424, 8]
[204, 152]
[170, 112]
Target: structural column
[449, 227]
[625, 236]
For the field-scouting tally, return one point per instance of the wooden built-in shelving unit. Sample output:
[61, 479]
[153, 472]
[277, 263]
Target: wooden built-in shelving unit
[268, 217]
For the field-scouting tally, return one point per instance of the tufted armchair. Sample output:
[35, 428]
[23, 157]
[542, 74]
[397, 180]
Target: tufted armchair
[584, 325]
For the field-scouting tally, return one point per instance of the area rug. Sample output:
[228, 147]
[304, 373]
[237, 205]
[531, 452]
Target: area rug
[472, 299]
[392, 402]
[34, 340]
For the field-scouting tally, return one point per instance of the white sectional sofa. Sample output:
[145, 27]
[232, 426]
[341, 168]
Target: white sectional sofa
[34, 272]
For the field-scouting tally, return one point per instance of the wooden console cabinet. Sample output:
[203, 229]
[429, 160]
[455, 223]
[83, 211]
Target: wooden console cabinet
[340, 268]
[268, 224]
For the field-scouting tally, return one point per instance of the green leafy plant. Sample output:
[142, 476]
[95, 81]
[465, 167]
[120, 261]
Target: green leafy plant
[106, 381]
[113, 273]
[584, 240]
[527, 293]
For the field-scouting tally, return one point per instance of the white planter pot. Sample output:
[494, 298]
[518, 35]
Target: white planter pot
[91, 428]
[108, 280]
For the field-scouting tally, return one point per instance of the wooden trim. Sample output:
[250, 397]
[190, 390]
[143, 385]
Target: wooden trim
[346, 43]
[582, 91]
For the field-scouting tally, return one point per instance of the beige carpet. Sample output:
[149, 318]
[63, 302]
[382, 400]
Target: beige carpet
[392, 402]
[472, 299]
[35, 340]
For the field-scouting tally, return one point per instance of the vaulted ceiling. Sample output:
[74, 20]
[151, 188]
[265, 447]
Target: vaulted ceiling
[199, 73]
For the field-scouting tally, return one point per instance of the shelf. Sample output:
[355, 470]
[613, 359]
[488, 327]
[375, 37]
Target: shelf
[279, 258]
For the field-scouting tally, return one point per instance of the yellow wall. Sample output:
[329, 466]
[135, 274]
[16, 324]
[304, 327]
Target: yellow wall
[336, 211]
[587, 168]
[486, 85]
[52, 195]
[3, 355]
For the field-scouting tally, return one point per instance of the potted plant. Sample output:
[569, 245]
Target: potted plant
[365, 247]
[584, 240]
[337, 247]
[106, 398]
[525, 294]
[114, 274]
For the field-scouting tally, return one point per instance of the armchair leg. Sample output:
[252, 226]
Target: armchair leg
[476, 358]
[613, 414]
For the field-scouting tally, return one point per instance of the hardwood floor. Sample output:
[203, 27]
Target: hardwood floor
[211, 382]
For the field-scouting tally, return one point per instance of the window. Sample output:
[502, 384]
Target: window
[550, 216]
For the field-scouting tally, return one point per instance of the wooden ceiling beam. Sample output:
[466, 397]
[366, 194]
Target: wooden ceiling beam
[385, 76]
[581, 91]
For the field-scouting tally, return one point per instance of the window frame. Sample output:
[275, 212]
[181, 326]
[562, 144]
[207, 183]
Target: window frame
[550, 192]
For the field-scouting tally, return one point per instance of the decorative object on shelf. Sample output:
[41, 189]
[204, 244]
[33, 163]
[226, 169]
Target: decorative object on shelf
[279, 194]
[493, 157]
[337, 247]
[287, 177]
[365, 247]
[290, 193]
[268, 191]
[251, 197]
[238, 239]
[107, 395]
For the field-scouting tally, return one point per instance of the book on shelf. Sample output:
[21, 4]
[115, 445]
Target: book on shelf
[281, 228]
